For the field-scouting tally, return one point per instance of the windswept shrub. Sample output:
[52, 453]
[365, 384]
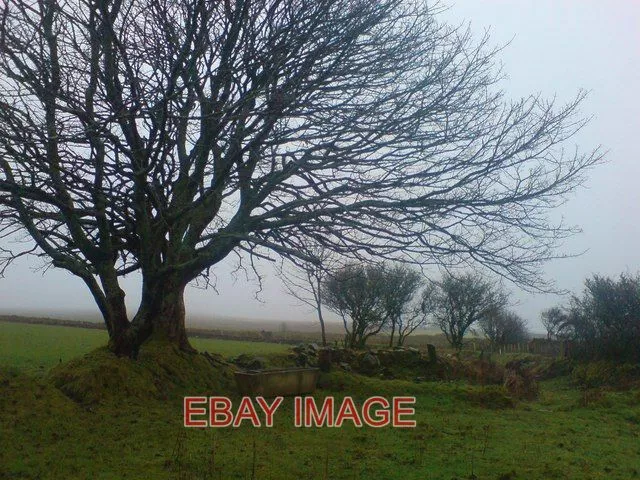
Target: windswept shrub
[503, 327]
[605, 321]
[607, 373]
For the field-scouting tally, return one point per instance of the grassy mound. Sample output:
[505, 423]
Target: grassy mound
[22, 395]
[493, 397]
[161, 371]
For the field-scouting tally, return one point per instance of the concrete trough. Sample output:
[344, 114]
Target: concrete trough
[277, 382]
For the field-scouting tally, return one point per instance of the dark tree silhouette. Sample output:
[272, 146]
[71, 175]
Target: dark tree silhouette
[504, 327]
[605, 320]
[356, 292]
[158, 137]
[401, 286]
[555, 320]
[456, 303]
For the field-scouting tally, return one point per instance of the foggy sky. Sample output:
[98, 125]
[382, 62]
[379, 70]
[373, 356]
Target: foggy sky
[556, 47]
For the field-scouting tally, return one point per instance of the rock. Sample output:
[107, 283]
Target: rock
[385, 357]
[314, 347]
[404, 358]
[387, 374]
[249, 362]
[345, 366]
[369, 362]
[258, 363]
[299, 348]
[215, 358]
[302, 360]
[324, 359]
[340, 355]
[242, 360]
[431, 352]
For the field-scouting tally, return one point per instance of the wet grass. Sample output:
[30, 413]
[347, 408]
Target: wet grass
[565, 434]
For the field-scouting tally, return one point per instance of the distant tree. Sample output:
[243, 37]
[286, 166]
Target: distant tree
[456, 303]
[414, 316]
[605, 319]
[504, 327]
[304, 278]
[160, 137]
[408, 323]
[556, 322]
[400, 287]
[514, 329]
[356, 293]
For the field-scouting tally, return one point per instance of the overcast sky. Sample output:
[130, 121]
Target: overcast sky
[556, 47]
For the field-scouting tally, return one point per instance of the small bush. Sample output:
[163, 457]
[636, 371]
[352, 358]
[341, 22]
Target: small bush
[607, 373]
[521, 386]
[605, 321]
[486, 373]
[547, 370]
[593, 397]
[520, 380]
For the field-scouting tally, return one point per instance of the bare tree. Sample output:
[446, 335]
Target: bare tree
[304, 281]
[400, 287]
[356, 293]
[456, 303]
[159, 137]
[409, 322]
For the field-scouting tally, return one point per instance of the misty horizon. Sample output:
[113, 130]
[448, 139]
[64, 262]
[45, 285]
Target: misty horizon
[551, 49]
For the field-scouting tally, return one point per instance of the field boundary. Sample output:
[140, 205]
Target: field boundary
[193, 332]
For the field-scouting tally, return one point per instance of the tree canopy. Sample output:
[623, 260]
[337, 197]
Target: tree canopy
[356, 292]
[158, 137]
[456, 303]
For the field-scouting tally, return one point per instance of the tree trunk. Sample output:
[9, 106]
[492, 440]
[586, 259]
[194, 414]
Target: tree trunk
[161, 316]
[320, 317]
[168, 318]
[393, 331]
[322, 328]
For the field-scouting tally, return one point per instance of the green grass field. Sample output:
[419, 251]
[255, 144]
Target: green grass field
[34, 349]
[45, 435]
